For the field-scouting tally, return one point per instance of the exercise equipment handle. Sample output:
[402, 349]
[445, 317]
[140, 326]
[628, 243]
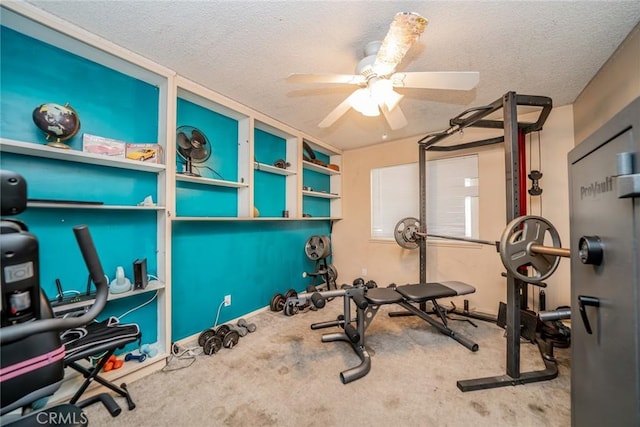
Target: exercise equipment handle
[547, 316]
[360, 301]
[16, 332]
[583, 301]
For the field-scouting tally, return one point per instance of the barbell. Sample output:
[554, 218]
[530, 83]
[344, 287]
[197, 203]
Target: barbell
[521, 245]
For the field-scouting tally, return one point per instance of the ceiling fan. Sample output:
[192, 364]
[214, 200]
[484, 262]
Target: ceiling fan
[376, 76]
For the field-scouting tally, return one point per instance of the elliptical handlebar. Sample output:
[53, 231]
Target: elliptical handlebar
[12, 333]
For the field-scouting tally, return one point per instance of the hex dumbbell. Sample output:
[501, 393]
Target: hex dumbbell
[251, 327]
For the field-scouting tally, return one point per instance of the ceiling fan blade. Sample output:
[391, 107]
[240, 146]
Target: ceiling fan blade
[337, 112]
[395, 117]
[452, 80]
[403, 32]
[351, 79]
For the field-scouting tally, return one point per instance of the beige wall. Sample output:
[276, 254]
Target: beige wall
[614, 87]
[479, 265]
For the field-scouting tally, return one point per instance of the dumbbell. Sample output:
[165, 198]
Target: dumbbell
[112, 363]
[250, 327]
[240, 330]
[209, 341]
[358, 282]
[371, 284]
[228, 336]
[140, 358]
[149, 350]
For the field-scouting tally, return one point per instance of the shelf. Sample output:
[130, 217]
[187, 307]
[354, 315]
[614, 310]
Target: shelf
[44, 151]
[210, 181]
[320, 169]
[154, 285]
[320, 194]
[219, 218]
[272, 169]
[320, 218]
[44, 205]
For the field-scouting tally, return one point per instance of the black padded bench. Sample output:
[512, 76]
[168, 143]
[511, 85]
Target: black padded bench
[93, 339]
[367, 303]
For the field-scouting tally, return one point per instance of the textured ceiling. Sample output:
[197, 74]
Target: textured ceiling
[246, 49]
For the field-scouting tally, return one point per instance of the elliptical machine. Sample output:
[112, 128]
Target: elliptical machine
[31, 352]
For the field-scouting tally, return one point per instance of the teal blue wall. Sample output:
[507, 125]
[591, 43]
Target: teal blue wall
[250, 260]
[111, 105]
[269, 194]
[268, 148]
[222, 133]
[108, 103]
[316, 206]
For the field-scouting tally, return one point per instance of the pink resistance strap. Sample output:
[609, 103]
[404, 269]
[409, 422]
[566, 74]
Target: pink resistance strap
[32, 364]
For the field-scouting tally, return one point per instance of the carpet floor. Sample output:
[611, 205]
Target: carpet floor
[283, 375]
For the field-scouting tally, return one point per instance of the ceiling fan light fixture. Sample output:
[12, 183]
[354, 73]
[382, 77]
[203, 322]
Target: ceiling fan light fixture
[362, 101]
[383, 93]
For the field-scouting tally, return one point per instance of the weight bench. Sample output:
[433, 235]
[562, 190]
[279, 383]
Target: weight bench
[98, 338]
[368, 301]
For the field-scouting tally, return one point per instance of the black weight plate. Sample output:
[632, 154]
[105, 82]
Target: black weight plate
[204, 336]
[291, 293]
[290, 310]
[274, 300]
[332, 274]
[222, 330]
[212, 345]
[280, 302]
[231, 339]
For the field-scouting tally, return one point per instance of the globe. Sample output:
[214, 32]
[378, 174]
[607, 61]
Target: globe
[58, 122]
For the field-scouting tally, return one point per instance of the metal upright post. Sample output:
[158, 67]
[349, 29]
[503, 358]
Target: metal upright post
[512, 167]
[422, 167]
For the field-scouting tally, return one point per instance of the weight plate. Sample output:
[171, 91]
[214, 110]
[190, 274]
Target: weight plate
[277, 302]
[291, 293]
[290, 309]
[205, 335]
[212, 345]
[317, 247]
[405, 233]
[231, 339]
[222, 330]
[515, 248]
[332, 274]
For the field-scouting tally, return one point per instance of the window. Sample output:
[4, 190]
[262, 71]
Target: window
[395, 194]
[452, 197]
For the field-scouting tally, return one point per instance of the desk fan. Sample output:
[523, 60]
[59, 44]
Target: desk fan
[193, 147]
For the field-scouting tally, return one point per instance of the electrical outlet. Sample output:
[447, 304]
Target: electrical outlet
[227, 300]
[364, 272]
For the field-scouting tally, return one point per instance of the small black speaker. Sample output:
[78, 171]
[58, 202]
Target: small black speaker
[140, 273]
